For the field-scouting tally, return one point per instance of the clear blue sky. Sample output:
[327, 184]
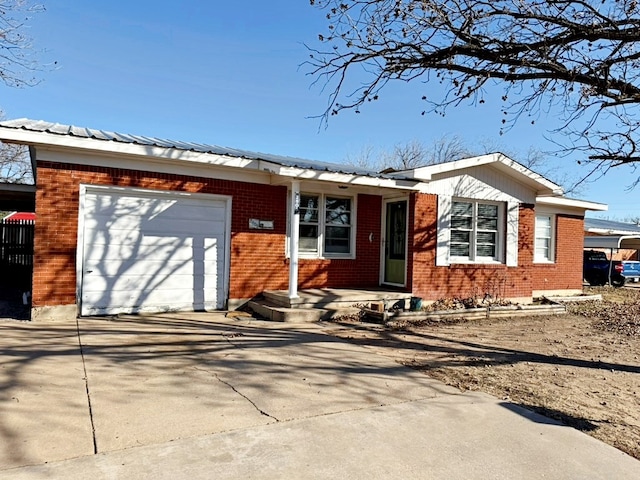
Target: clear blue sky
[230, 74]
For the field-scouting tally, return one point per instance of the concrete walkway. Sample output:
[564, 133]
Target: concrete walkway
[202, 396]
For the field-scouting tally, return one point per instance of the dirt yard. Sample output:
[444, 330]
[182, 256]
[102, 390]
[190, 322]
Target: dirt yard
[582, 368]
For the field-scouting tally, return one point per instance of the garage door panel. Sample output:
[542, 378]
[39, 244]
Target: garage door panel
[152, 301]
[128, 208]
[156, 268]
[131, 286]
[154, 250]
[154, 228]
[160, 252]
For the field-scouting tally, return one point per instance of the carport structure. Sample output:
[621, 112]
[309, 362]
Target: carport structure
[613, 242]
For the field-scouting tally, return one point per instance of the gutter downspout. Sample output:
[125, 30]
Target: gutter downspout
[294, 221]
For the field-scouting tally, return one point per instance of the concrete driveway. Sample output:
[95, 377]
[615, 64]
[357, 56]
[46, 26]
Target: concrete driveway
[204, 396]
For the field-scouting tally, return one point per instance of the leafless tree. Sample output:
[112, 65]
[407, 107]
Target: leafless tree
[18, 68]
[366, 157]
[15, 164]
[580, 58]
[411, 154]
[18, 65]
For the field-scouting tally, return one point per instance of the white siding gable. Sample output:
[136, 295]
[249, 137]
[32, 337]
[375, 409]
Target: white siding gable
[483, 183]
[480, 183]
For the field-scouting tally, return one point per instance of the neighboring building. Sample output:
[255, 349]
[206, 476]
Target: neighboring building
[129, 223]
[614, 234]
[19, 217]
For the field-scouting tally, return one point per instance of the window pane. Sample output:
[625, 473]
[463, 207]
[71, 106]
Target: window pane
[459, 237]
[486, 237]
[487, 217]
[460, 243]
[308, 238]
[309, 208]
[338, 211]
[461, 226]
[337, 240]
[543, 238]
[543, 248]
[485, 210]
[338, 232]
[461, 223]
[486, 244]
[487, 223]
[486, 250]
[459, 250]
[462, 208]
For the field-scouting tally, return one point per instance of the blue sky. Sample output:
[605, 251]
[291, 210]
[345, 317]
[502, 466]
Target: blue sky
[230, 74]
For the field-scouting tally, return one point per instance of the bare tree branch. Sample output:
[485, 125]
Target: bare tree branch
[18, 65]
[15, 164]
[580, 57]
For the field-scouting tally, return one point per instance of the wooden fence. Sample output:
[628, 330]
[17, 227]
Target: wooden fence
[16, 242]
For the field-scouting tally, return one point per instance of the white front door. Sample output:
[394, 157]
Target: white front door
[147, 251]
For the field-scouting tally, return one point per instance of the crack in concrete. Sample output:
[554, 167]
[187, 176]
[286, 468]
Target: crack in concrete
[262, 412]
[86, 386]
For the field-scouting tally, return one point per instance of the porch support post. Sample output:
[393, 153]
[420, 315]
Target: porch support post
[294, 221]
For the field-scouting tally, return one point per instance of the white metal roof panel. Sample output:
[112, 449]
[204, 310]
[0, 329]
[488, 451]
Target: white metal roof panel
[613, 241]
[611, 227]
[60, 129]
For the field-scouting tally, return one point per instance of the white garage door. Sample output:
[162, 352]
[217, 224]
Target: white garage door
[148, 251]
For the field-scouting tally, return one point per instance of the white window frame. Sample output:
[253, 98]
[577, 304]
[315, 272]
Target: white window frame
[550, 258]
[498, 258]
[321, 252]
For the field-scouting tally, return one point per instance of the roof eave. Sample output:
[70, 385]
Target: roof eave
[537, 182]
[571, 203]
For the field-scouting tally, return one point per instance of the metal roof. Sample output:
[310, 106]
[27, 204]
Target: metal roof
[596, 224]
[631, 242]
[70, 130]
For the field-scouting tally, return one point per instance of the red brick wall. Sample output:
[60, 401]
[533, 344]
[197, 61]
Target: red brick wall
[432, 283]
[257, 257]
[566, 272]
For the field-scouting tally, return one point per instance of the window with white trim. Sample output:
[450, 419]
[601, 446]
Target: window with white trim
[326, 225]
[477, 232]
[544, 238]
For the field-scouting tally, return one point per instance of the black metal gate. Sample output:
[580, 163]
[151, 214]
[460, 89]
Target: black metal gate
[16, 253]
[16, 242]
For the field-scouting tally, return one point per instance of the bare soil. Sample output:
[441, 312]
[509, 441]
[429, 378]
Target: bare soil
[581, 368]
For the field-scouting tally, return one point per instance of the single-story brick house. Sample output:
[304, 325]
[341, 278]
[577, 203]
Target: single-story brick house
[129, 223]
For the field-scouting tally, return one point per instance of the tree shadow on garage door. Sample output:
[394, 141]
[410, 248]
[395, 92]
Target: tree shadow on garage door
[152, 251]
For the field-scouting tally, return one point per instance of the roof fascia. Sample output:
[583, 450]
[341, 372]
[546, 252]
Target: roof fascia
[498, 160]
[571, 203]
[335, 177]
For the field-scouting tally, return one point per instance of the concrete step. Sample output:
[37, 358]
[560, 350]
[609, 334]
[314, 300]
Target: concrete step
[338, 299]
[278, 313]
